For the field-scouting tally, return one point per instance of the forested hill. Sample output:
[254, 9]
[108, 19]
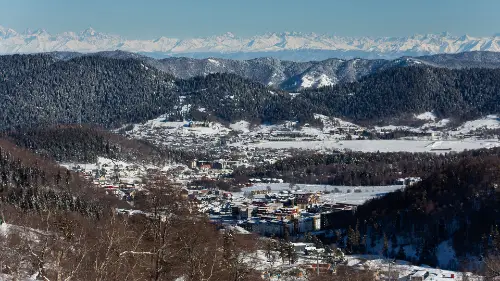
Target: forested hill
[84, 144]
[86, 89]
[465, 93]
[457, 207]
[38, 90]
[31, 183]
[296, 75]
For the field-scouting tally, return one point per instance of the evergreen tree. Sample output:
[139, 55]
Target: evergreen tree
[401, 255]
[385, 249]
[428, 255]
[351, 239]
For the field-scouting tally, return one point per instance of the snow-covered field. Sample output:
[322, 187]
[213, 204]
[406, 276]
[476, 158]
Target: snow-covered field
[382, 145]
[260, 261]
[332, 135]
[488, 122]
[337, 194]
[403, 268]
[317, 81]
[179, 128]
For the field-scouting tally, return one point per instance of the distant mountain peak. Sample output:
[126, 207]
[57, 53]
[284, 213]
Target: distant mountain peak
[89, 32]
[445, 34]
[271, 43]
[465, 37]
[40, 32]
[229, 34]
[7, 32]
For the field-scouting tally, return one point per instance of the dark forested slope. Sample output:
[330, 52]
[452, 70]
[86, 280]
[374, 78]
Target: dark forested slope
[37, 90]
[358, 168]
[459, 204]
[31, 183]
[83, 144]
[87, 90]
[465, 93]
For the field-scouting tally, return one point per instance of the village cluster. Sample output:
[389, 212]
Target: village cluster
[243, 143]
[268, 207]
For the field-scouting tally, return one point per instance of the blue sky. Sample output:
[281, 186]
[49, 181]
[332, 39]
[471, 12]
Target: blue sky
[147, 19]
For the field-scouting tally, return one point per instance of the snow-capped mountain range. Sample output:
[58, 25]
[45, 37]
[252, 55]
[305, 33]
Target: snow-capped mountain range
[231, 46]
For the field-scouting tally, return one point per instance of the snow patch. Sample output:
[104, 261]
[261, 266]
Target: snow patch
[426, 116]
[241, 126]
[488, 122]
[214, 62]
[445, 254]
[322, 80]
[380, 145]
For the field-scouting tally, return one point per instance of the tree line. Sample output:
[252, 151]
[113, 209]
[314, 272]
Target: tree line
[84, 144]
[457, 204]
[357, 168]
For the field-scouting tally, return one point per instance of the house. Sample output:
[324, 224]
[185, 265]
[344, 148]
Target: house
[243, 212]
[205, 167]
[420, 275]
[305, 199]
[300, 247]
[184, 193]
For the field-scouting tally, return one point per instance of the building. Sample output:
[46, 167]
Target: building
[420, 275]
[305, 199]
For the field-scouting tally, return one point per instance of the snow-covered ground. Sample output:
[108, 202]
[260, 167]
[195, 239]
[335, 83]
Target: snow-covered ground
[30, 234]
[318, 81]
[178, 128]
[337, 194]
[434, 124]
[260, 261]
[426, 116]
[330, 136]
[488, 122]
[128, 172]
[381, 145]
[403, 268]
[431, 124]
[241, 126]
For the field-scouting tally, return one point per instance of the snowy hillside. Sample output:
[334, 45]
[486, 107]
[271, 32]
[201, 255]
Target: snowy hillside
[90, 40]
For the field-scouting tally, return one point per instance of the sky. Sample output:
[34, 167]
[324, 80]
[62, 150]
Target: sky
[148, 19]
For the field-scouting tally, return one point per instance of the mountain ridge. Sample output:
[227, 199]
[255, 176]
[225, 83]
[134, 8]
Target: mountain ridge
[91, 40]
[293, 76]
[39, 91]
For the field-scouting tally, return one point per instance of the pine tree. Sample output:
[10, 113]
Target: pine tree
[428, 255]
[340, 238]
[385, 249]
[363, 245]
[357, 236]
[351, 237]
[401, 255]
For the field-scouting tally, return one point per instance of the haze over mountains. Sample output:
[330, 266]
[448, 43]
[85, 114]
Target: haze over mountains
[285, 45]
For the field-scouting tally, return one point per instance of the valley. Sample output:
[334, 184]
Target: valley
[396, 162]
[321, 140]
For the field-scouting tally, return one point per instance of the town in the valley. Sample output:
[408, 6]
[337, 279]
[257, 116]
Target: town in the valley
[270, 207]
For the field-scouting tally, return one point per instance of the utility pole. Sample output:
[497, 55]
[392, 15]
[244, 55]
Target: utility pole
[390, 270]
[390, 276]
[317, 261]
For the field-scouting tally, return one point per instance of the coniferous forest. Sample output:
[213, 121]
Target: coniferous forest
[39, 90]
